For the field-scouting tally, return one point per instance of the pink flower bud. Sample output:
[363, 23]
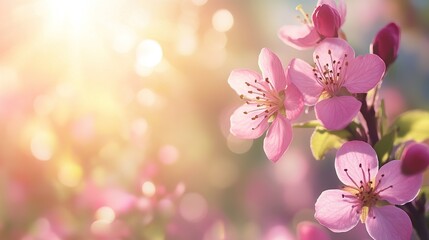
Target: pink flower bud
[415, 158]
[326, 20]
[386, 43]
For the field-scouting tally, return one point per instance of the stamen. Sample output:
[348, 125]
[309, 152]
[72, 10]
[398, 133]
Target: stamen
[307, 19]
[345, 170]
[369, 176]
[384, 189]
[363, 173]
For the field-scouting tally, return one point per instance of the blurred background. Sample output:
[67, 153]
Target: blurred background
[114, 117]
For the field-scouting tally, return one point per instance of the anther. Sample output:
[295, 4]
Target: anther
[242, 96]
[329, 51]
[317, 56]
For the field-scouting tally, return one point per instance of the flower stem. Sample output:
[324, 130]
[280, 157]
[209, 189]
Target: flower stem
[416, 212]
[368, 113]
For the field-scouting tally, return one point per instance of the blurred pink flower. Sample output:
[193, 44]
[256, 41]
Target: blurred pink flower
[305, 230]
[336, 76]
[94, 197]
[308, 231]
[386, 43]
[325, 22]
[395, 98]
[356, 165]
[415, 158]
[270, 98]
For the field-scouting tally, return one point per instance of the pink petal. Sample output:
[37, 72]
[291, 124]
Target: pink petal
[341, 8]
[238, 78]
[326, 21]
[335, 212]
[357, 157]
[337, 112]
[309, 231]
[404, 188]
[389, 222]
[294, 102]
[331, 3]
[301, 74]
[339, 50]
[364, 73]
[242, 124]
[299, 36]
[272, 69]
[278, 138]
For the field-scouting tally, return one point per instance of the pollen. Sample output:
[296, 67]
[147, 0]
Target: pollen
[267, 102]
[330, 75]
[305, 15]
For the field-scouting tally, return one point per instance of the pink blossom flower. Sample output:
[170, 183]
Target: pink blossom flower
[336, 75]
[272, 101]
[415, 158]
[325, 22]
[386, 43]
[366, 193]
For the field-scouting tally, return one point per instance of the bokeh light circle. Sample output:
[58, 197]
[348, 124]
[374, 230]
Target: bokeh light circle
[149, 53]
[193, 207]
[222, 20]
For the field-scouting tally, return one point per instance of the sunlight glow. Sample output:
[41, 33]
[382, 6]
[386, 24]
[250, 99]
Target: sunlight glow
[106, 214]
[149, 53]
[222, 20]
[43, 145]
[148, 189]
[74, 13]
[70, 173]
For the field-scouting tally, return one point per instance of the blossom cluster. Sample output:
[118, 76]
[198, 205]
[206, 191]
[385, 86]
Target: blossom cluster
[340, 86]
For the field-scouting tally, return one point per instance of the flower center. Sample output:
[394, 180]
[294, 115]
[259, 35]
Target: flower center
[330, 75]
[365, 193]
[266, 100]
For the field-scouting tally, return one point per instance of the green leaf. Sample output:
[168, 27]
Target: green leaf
[411, 125]
[323, 140]
[385, 146]
[309, 124]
